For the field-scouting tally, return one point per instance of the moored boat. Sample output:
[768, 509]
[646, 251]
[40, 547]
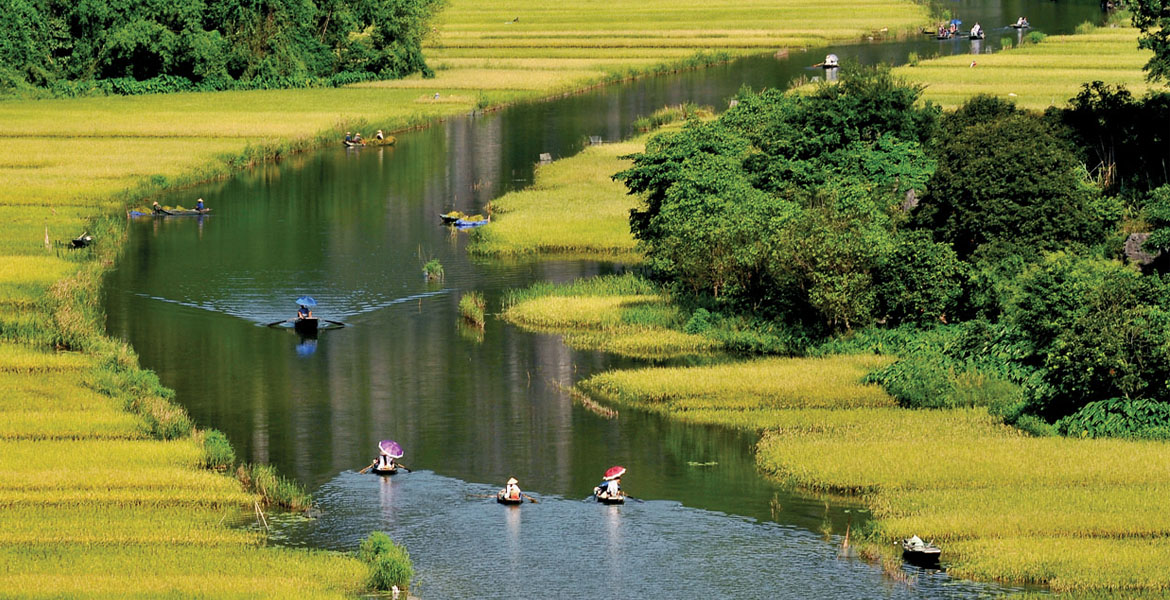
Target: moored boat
[920, 553]
[450, 217]
[471, 222]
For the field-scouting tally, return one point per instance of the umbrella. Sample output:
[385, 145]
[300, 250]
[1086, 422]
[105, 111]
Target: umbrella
[956, 22]
[390, 448]
[306, 301]
[615, 472]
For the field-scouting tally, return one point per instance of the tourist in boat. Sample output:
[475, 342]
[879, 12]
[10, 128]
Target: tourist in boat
[348, 138]
[511, 491]
[953, 29]
[199, 205]
[157, 208]
[304, 312]
[380, 136]
[1022, 22]
[357, 138]
[976, 31]
[386, 462]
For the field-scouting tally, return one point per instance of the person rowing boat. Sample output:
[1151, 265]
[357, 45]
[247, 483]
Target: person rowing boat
[511, 493]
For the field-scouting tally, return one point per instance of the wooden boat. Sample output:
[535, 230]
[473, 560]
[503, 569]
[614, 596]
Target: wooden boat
[1022, 25]
[308, 325]
[450, 217]
[187, 212]
[605, 498]
[502, 499]
[920, 553]
[468, 223]
[390, 471]
[386, 141]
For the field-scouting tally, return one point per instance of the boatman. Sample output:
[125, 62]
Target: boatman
[512, 491]
[157, 208]
[199, 205]
[380, 136]
[304, 312]
[385, 461]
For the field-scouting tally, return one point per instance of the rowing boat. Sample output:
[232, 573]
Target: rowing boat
[502, 499]
[306, 325]
[605, 498]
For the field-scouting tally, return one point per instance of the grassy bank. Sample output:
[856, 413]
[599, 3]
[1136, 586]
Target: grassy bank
[620, 314]
[1038, 75]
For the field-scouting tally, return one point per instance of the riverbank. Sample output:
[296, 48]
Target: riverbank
[104, 487]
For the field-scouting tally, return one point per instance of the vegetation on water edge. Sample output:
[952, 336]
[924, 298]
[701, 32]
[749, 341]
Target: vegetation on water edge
[623, 314]
[471, 307]
[390, 564]
[433, 270]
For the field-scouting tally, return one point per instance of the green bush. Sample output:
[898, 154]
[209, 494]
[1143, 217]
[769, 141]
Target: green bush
[699, 322]
[471, 306]
[273, 488]
[1035, 37]
[433, 270]
[389, 563]
[1119, 417]
[217, 450]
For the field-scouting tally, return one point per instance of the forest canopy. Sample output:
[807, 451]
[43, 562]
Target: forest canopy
[131, 46]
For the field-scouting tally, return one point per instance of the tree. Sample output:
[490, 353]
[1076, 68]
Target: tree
[1152, 17]
[1011, 186]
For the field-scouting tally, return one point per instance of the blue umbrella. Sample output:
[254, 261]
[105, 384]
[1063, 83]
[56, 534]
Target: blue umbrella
[956, 22]
[306, 301]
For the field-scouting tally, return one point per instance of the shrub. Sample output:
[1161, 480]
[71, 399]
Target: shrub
[699, 322]
[389, 563]
[273, 488]
[472, 306]
[217, 450]
[433, 270]
[1119, 417]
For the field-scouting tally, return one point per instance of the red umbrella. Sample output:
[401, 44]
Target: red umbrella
[615, 472]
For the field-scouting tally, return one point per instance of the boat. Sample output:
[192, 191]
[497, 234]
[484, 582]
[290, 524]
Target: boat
[605, 498]
[1024, 25]
[352, 144]
[502, 499]
[450, 217]
[306, 325]
[186, 212]
[471, 222]
[831, 62]
[386, 141]
[389, 471]
[977, 36]
[920, 553]
[81, 241]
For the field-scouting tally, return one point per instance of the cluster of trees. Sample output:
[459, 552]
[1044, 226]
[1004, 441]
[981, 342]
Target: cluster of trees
[989, 239]
[110, 45]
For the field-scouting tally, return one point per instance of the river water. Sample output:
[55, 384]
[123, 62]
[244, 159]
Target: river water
[353, 229]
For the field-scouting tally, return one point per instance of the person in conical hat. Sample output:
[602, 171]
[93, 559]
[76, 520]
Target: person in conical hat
[512, 491]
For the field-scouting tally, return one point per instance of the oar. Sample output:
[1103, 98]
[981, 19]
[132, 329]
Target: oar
[368, 468]
[335, 322]
[529, 498]
[278, 323]
[408, 469]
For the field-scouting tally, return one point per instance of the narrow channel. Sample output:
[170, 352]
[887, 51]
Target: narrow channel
[353, 228]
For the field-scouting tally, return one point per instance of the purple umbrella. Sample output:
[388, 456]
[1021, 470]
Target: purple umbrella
[390, 448]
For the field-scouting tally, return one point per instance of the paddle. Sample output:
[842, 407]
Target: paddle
[334, 322]
[275, 323]
[368, 468]
[402, 466]
[529, 498]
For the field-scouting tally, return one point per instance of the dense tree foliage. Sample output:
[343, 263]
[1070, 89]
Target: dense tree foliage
[795, 213]
[208, 44]
[1041, 203]
[1152, 17]
[787, 205]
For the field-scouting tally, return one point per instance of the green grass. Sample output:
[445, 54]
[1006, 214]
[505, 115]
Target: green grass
[622, 314]
[574, 208]
[1039, 75]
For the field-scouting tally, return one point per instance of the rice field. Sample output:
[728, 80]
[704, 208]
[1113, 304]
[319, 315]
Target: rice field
[574, 208]
[620, 314]
[1036, 76]
[1085, 517]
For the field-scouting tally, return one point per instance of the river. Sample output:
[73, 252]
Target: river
[353, 228]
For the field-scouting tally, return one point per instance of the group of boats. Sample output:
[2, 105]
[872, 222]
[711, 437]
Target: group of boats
[389, 461]
[951, 31]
